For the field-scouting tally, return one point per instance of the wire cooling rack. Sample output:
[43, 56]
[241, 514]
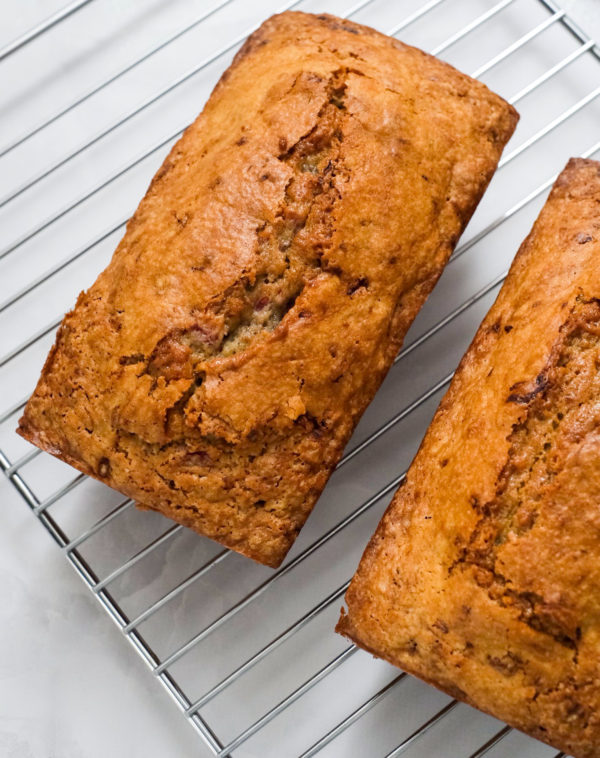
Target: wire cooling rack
[248, 654]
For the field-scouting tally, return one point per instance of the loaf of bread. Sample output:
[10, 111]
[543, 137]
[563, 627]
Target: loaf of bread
[217, 367]
[483, 576]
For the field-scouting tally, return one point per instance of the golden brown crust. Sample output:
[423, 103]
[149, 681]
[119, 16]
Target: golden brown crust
[483, 576]
[218, 366]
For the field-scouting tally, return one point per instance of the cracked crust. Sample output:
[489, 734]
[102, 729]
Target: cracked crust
[217, 367]
[483, 577]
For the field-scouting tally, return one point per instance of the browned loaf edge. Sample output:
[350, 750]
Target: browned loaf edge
[483, 576]
[217, 367]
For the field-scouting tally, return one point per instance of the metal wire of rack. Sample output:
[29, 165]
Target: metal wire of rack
[263, 673]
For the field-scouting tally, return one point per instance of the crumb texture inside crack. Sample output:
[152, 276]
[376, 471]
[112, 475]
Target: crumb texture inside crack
[561, 428]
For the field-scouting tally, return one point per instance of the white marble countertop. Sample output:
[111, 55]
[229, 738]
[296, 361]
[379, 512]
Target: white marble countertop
[70, 687]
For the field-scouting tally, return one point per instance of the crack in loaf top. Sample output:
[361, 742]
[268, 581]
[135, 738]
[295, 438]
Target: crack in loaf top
[268, 277]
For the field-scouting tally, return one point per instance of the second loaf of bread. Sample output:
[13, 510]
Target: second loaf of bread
[483, 576]
[218, 366]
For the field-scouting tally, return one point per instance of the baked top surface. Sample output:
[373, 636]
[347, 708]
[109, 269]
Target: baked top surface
[483, 576]
[217, 367]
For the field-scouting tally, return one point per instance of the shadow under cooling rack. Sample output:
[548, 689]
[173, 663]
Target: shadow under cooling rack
[247, 654]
